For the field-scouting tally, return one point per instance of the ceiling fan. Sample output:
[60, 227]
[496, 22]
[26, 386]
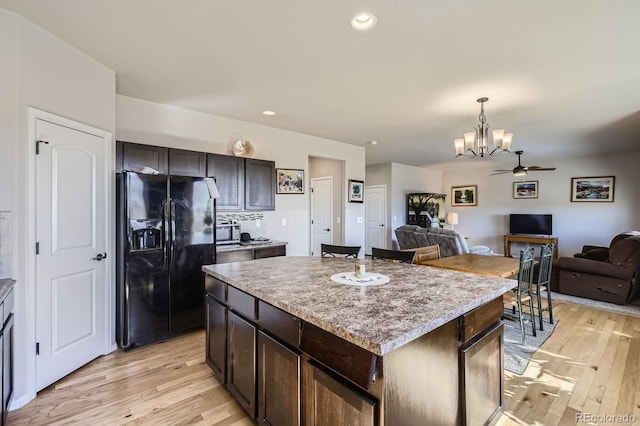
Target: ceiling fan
[521, 170]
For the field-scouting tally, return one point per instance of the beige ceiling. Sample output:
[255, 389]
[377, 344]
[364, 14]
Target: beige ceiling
[562, 75]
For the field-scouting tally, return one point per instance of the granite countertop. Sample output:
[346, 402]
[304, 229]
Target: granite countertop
[417, 299]
[249, 246]
[6, 285]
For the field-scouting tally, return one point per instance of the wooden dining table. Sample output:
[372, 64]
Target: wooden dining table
[492, 266]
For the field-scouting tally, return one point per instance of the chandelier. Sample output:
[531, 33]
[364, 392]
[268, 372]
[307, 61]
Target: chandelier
[477, 142]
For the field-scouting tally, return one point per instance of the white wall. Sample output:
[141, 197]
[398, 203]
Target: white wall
[156, 124]
[41, 71]
[575, 224]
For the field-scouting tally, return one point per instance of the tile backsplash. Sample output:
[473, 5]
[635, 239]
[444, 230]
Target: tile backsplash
[5, 244]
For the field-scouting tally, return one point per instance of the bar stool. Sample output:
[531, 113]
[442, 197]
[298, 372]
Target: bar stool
[328, 250]
[544, 281]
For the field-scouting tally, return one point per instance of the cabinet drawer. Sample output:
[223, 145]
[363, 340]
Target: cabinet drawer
[271, 252]
[241, 302]
[215, 288]
[349, 360]
[234, 256]
[481, 318]
[277, 322]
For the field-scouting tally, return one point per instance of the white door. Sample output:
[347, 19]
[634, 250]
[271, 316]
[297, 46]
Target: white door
[71, 291]
[375, 199]
[321, 213]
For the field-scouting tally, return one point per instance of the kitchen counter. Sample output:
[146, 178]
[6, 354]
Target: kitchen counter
[424, 348]
[248, 246]
[417, 300]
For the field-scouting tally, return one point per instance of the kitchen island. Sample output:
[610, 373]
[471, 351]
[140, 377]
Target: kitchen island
[294, 347]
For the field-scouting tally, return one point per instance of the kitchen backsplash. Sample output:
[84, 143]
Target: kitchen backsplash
[5, 245]
[250, 222]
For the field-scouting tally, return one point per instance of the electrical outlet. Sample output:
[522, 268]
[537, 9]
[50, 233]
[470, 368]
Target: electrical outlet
[257, 223]
[284, 221]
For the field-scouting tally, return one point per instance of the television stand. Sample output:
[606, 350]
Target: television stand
[531, 239]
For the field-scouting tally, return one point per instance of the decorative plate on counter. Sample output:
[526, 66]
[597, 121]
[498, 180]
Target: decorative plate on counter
[370, 278]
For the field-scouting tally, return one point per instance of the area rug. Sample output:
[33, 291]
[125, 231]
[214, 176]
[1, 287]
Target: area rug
[631, 308]
[516, 354]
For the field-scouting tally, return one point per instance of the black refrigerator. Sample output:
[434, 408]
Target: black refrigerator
[166, 232]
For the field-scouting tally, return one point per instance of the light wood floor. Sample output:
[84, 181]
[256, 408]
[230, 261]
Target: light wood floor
[591, 365]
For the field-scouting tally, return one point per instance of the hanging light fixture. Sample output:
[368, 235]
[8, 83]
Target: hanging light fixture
[477, 142]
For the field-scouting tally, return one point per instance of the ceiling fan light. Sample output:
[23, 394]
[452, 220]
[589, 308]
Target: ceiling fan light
[498, 135]
[506, 141]
[520, 172]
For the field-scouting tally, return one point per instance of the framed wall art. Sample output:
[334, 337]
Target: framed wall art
[356, 191]
[526, 189]
[592, 189]
[289, 181]
[464, 196]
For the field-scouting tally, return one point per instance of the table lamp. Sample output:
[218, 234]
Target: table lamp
[452, 219]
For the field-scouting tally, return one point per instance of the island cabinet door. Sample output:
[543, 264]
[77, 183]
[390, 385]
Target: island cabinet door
[482, 379]
[216, 336]
[241, 362]
[278, 383]
[329, 402]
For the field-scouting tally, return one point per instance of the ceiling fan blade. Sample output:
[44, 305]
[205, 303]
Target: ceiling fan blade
[533, 168]
[500, 172]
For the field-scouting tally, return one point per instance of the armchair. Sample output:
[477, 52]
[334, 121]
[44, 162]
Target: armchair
[601, 273]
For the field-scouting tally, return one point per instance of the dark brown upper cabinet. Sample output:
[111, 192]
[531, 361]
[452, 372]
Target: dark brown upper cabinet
[259, 184]
[135, 157]
[243, 183]
[228, 172]
[187, 163]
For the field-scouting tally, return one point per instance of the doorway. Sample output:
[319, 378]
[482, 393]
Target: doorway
[326, 198]
[321, 213]
[375, 217]
[72, 233]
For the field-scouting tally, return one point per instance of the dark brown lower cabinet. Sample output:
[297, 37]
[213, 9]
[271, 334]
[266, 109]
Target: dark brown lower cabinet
[278, 383]
[329, 402]
[241, 361]
[216, 334]
[482, 378]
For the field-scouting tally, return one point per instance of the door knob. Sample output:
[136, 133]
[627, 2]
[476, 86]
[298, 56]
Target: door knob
[327, 229]
[99, 257]
[382, 224]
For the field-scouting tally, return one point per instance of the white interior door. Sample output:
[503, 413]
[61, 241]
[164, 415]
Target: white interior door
[375, 200]
[71, 291]
[321, 213]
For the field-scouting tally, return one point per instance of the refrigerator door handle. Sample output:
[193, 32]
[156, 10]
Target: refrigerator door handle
[173, 232]
[165, 234]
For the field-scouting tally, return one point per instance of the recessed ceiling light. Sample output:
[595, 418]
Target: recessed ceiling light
[268, 112]
[363, 21]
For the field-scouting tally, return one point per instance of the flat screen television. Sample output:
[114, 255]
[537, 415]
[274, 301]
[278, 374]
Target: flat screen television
[534, 224]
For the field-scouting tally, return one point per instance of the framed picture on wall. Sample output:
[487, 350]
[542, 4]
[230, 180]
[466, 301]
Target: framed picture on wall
[526, 189]
[289, 181]
[464, 196]
[356, 191]
[592, 189]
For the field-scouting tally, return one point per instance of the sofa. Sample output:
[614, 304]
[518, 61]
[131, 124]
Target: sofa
[450, 242]
[609, 274]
